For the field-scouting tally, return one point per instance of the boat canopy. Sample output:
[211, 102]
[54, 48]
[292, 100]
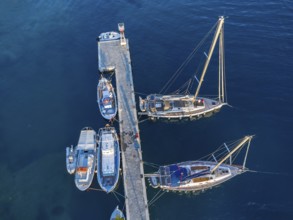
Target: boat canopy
[106, 93]
[86, 140]
[82, 160]
[172, 175]
[81, 169]
[108, 156]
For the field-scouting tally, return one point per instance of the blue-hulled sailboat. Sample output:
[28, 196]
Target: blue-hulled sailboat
[202, 174]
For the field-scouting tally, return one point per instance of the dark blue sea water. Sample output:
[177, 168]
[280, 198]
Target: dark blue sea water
[48, 77]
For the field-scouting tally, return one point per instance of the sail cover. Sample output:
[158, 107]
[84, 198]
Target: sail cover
[199, 174]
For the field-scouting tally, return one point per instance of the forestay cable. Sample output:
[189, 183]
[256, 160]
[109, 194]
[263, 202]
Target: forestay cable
[187, 60]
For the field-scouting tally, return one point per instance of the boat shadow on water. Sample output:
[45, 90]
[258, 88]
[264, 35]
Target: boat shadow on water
[183, 119]
[205, 173]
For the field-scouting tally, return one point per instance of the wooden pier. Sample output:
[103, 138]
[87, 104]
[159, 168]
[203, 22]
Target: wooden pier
[114, 55]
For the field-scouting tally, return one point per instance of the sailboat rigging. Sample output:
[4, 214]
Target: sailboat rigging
[205, 173]
[178, 106]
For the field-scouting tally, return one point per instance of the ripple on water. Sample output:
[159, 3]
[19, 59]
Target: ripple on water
[57, 210]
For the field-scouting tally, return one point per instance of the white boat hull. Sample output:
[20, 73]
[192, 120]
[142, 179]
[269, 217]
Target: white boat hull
[108, 159]
[106, 99]
[85, 159]
[108, 36]
[117, 214]
[70, 160]
[178, 107]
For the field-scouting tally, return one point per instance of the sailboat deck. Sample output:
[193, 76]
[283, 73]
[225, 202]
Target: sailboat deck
[180, 109]
[114, 56]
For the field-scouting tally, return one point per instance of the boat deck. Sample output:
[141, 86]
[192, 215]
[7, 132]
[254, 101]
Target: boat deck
[210, 107]
[112, 54]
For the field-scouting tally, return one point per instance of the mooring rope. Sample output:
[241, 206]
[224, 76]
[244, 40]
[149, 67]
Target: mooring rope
[116, 196]
[268, 172]
[187, 60]
[151, 203]
[94, 189]
[151, 164]
[154, 197]
[139, 93]
[143, 120]
[120, 194]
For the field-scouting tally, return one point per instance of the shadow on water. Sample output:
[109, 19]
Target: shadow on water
[42, 213]
[5, 210]
[54, 212]
[16, 164]
[181, 120]
[57, 210]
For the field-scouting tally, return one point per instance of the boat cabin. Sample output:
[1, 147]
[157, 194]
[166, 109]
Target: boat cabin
[108, 155]
[107, 36]
[107, 99]
[173, 175]
[83, 162]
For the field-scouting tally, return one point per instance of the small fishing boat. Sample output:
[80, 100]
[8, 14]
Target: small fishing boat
[106, 98]
[108, 159]
[85, 158]
[112, 35]
[70, 159]
[212, 170]
[183, 105]
[117, 214]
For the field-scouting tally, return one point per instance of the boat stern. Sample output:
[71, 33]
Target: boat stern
[142, 104]
[154, 181]
[106, 186]
[81, 186]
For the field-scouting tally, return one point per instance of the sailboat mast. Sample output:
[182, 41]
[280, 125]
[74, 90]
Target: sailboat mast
[244, 163]
[219, 28]
[245, 139]
[221, 67]
[220, 78]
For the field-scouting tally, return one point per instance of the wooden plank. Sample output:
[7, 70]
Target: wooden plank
[112, 54]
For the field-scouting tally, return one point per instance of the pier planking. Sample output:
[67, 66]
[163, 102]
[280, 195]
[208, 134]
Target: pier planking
[113, 56]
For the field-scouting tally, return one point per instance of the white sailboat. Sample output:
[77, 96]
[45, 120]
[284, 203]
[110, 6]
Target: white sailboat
[179, 106]
[210, 171]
